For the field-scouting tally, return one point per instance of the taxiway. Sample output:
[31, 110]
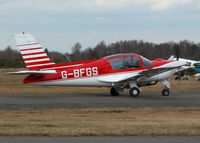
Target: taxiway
[153, 99]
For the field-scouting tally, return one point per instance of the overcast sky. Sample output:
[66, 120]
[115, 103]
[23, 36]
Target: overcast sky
[58, 24]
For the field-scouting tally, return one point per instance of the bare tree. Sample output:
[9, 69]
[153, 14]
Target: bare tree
[76, 50]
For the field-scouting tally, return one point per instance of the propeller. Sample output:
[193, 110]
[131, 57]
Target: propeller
[177, 51]
[177, 54]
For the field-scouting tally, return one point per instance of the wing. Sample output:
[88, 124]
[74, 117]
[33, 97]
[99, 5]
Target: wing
[118, 77]
[121, 77]
[131, 76]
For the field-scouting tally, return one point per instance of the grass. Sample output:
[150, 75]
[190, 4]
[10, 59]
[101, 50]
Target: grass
[101, 122]
[12, 84]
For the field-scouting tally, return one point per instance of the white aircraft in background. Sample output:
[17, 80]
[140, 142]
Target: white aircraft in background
[190, 64]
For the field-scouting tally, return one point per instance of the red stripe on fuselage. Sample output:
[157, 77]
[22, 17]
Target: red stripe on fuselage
[57, 77]
[30, 49]
[28, 44]
[33, 54]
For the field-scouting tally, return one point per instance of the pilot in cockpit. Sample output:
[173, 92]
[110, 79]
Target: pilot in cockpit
[131, 62]
[126, 63]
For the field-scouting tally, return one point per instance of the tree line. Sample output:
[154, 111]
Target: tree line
[185, 49]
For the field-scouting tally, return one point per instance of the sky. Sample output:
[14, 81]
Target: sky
[59, 24]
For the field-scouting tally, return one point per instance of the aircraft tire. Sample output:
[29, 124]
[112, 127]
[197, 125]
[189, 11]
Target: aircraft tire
[165, 92]
[134, 92]
[113, 92]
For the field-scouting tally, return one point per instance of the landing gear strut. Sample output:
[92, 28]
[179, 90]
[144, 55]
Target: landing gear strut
[166, 91]
[114, 92]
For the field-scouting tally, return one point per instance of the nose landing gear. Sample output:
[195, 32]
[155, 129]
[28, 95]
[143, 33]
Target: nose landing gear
[166, 91]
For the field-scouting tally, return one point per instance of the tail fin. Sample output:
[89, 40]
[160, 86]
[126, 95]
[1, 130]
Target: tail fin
[173, 57]
[32, 52]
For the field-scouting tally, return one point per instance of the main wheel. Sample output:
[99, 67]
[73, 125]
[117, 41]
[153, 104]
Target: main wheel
[113, 92]
[165, 92]
[134, 92]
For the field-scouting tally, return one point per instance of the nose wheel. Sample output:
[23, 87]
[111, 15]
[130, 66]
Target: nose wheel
[165, 92]
[134, 92]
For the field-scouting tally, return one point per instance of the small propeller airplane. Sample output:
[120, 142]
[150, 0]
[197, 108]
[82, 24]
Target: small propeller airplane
[190, 64]
[118, 71]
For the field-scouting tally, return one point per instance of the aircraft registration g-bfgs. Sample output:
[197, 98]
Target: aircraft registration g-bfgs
[119, 71]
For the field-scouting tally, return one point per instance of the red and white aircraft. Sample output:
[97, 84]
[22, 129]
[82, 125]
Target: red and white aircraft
[119, 71]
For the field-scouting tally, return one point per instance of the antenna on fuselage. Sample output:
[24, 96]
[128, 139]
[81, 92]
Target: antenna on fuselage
[67, 58]
[177, 54]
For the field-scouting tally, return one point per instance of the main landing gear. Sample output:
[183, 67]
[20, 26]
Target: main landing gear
[134, 92]
[114, 92]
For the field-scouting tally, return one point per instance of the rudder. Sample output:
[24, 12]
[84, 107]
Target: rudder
[32, 52]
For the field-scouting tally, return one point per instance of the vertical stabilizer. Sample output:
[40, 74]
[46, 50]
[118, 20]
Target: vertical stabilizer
[32, 52]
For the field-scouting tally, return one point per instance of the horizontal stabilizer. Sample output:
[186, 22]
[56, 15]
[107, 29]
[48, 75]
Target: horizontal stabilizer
[173, 57]
[34, 72]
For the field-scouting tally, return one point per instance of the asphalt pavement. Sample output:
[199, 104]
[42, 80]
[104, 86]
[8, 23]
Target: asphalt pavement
[108, 139]
[153, 99]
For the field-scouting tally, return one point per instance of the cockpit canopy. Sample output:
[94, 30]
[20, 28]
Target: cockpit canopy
[127, 61]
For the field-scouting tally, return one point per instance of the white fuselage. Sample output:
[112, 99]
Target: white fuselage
[190, 63]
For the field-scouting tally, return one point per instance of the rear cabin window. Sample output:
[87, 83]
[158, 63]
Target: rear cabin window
[125, 62]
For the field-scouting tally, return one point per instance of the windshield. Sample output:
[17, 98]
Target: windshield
[147, 63]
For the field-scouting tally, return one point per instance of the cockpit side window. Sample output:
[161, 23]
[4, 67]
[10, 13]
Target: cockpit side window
[126, 62]
[116, 63]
